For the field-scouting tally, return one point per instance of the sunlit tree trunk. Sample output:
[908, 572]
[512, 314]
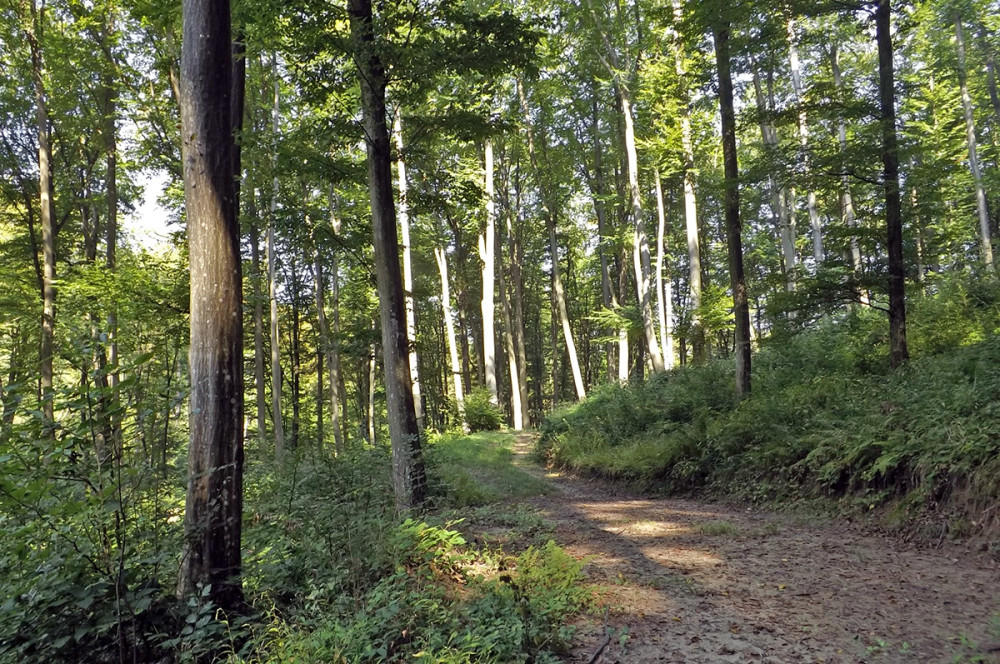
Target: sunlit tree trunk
[487, 254]
[803, 126]
[664, 290]
[409, 481]
[640, 241]
[986, 245]
[780, 195]
[690, 199]
[449, 326]
[847, 215]
[558, 293]
[258, 323]
[403, 212]
[213, 512]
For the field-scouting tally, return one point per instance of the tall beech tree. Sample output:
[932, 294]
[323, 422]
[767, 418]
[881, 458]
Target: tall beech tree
[214, 506]
[408, 477]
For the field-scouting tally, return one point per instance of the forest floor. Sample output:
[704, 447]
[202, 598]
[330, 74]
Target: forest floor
[693, 581]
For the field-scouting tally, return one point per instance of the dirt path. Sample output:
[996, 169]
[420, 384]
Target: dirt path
[690, 581]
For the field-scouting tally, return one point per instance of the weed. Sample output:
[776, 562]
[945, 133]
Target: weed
[721, 528]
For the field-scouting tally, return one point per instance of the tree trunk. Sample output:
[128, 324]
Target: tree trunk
[322, 341]
[814, 223]
[409, 481]
[213, 512]
[780, 196]
[690, 200]
[449, 326]
[487, 254]
[272, 280]
[338, 420]
[986, 246]
[404, 231]
[517, 294]
[640, 242]
[734, 226]
[296, 354]
[846, 200]
[258, 323]
[47, 214]
[898, 353]
[110, 138]
[558, 294]
[516, 404]
[664, 292]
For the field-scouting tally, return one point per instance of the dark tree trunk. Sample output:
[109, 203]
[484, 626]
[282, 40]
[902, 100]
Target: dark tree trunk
[214, 505]
[409, 482]
[734, 226]
[898, 353]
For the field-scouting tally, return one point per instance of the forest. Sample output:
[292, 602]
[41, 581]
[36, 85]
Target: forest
[449, 300]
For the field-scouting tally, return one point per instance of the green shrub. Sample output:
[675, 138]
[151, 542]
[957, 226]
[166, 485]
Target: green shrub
[480, 413]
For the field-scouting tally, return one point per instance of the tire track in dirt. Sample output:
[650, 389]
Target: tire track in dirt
[692, 581]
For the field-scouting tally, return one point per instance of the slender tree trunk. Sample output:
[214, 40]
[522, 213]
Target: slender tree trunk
[322, 342]
[449, 326]
[664, 291]
[690, 199]
[517, 294]
[487, 254]
[898, 353]
[640, 242]
[258, 323]
[409, 481]
[296, 358]
[370, 397]
[780, 197]
[110, 138]
[734, 226]
[846, 200]
[516, 404]
[272, 280]
[338, 420]
[47, 214]
[213, 513]
[558, 294]
[604, 238]
[986, 245]
[799, 88]
[403, 212]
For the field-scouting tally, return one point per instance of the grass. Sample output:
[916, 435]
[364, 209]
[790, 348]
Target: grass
[721, 528]
[478, 469]
[827, 422]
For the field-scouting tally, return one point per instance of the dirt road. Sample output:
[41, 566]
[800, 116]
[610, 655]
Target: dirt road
[689, 581]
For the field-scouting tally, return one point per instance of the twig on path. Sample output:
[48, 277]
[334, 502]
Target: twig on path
[600, 650]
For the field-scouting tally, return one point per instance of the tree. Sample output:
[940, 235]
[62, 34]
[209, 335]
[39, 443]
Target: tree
[734, 226]
[409, 482]
[898, 353]
[214, 506]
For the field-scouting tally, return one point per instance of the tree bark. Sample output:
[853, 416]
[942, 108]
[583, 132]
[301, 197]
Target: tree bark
[214, 505]
[898, 352]
[986, 245]
[258, 323]
[409, 481]
[734, 226]
[404, 231]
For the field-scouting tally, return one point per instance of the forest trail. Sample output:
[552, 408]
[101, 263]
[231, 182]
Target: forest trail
[692, 581]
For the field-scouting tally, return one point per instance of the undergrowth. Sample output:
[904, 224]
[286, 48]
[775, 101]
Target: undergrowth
[826, 419]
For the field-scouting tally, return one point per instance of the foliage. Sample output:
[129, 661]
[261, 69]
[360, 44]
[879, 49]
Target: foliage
[826, 419]
[476, 470]
[481, 414]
